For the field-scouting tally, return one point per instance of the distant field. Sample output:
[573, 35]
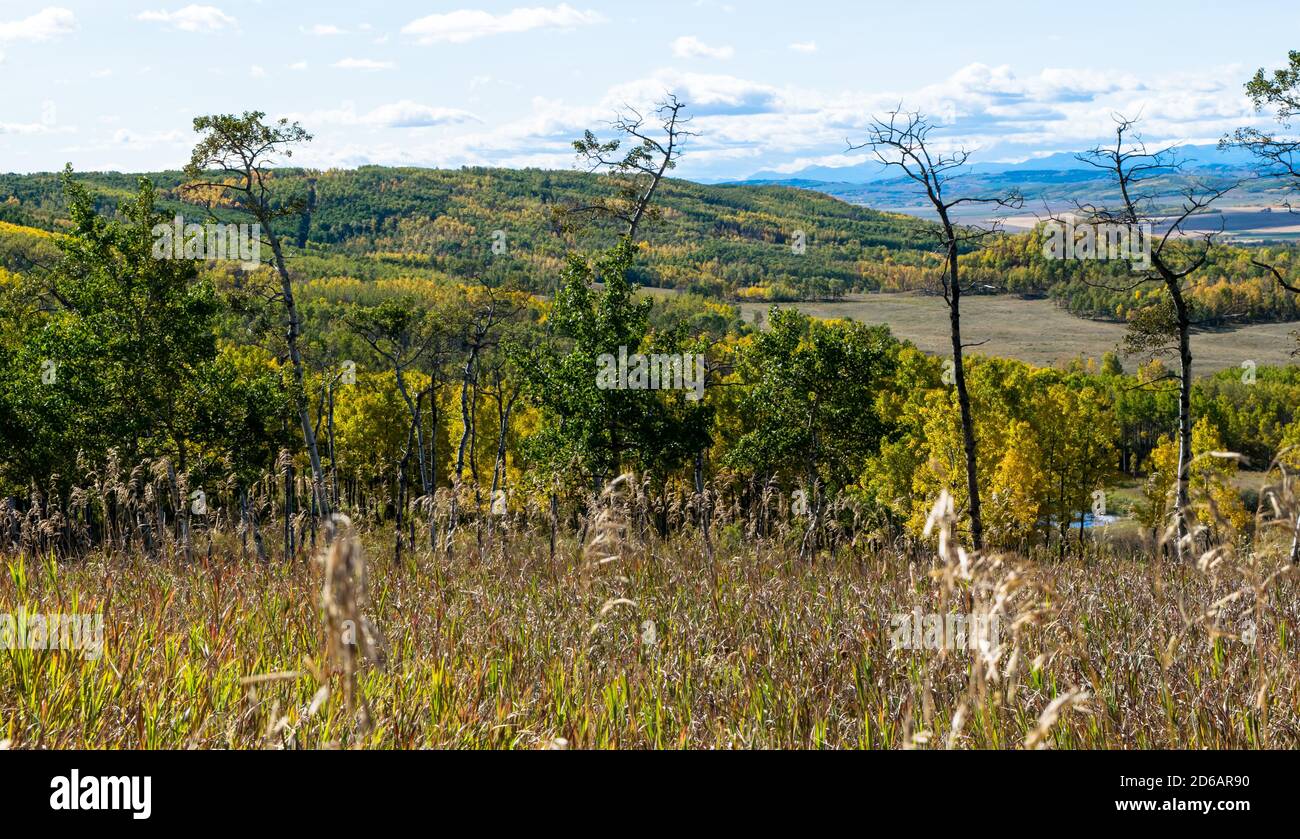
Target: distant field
[1238, 224]
[1038, 331]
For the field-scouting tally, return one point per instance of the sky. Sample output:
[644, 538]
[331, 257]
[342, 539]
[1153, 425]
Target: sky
[773, 86]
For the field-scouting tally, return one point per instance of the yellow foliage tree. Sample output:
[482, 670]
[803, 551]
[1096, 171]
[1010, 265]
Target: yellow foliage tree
[1216, 504]
[1017, 485]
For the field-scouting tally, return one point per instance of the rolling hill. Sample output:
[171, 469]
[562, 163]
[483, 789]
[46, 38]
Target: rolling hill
[736, 242]
[711, 238]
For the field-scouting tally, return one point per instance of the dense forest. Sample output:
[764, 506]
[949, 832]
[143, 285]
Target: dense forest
[728, 243]
[377, 222]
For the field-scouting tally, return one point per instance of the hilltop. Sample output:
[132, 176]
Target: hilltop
[715, 239]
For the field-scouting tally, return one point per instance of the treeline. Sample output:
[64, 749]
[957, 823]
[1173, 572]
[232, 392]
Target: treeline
[114, 364]
[1231, 288]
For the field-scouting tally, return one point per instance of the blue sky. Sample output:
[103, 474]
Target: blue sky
[774, 85]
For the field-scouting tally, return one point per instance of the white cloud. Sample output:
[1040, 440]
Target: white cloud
[804, 46]
[363, 64]
[408, 114]
[192, 18]
[28, 128]
[126, 137]
[688, 46]
[705, 94]
[325, 29]
[45, 25]
[402, 114]
[47, 124]
[298, 65]
[993, 111]
[257, 71]
[467, 24]
[745, 125]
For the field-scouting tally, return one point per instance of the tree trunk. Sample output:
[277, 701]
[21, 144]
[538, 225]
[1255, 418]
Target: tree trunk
[295, 356]
[288, 511]
[1184, 416]
[416, 426]
[466, 374]
[432, 460]
[466, 378]
[432, 391]
[256, 524]
[1295, 541]
[401, 498]
[963, 398]
[703, 508]
[243, 520]
[473, 433]
[334, 464]
[503, 416]
[555, 520]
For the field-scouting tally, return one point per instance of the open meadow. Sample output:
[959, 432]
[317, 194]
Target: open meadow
[1037, 331]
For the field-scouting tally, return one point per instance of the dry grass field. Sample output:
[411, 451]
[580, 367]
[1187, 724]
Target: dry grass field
[632, 641]
[1038, 331]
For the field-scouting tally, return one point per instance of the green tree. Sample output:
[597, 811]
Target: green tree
[1075, 429]
[811, 407]
[602, 430]
[232, 165]
[125, 357]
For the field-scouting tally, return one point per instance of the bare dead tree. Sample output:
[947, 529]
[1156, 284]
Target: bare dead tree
[505, 383]
[242, 151]
[902, 140]
[1176, 253]
[402, 334]
[639, 170]
[489, 307]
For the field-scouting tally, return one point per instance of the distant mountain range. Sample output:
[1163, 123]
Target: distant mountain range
[1196, 157]
[1054, 182]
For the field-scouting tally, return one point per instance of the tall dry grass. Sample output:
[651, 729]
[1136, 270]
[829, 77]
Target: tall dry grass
[623, 638]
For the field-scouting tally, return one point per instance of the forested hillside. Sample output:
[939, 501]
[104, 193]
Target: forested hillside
[724, 242]
[378, 221]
